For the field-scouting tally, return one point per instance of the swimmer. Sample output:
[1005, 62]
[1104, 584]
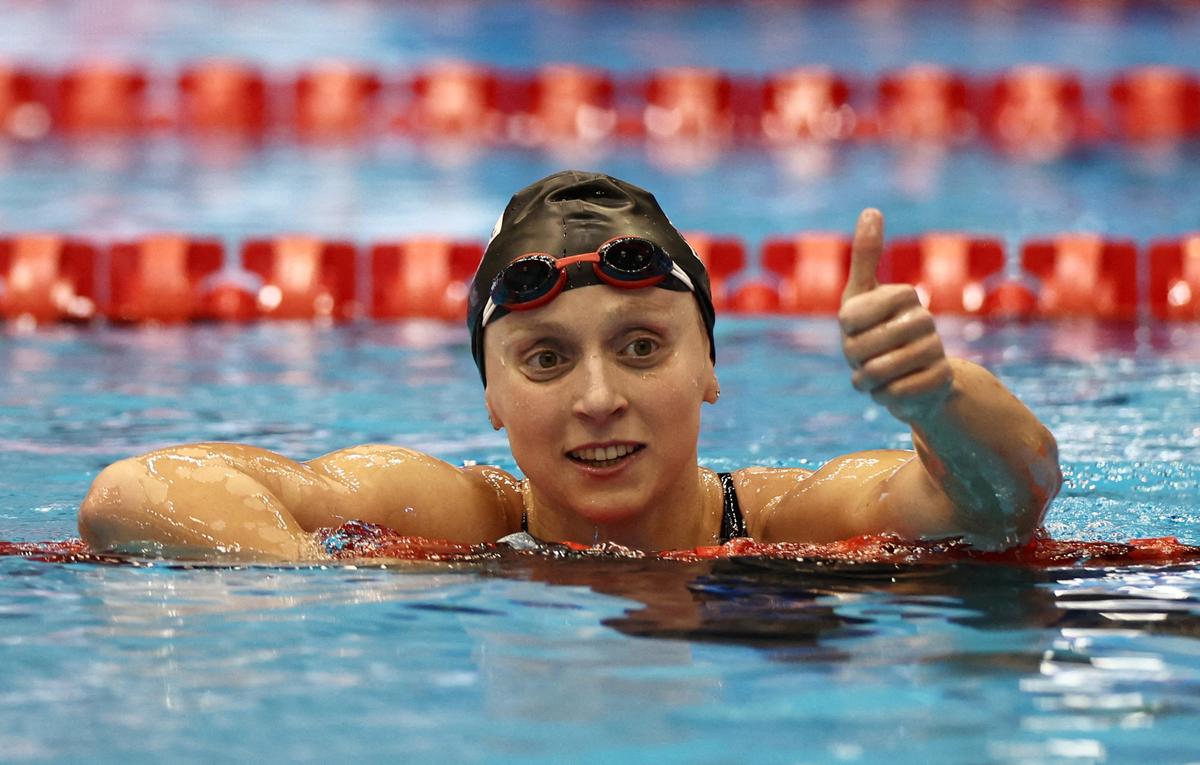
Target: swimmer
[591, 324]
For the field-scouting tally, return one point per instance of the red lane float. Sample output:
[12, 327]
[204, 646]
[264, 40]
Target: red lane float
[688, 103]
[807, 104]
[161, 278]
[754, 296]
[812, 270]
[1010, 299]
[924, 104]
[565, 104]
[223, 98]
[1030, 111]
[23, 113]
[47, 278]
[230, 297]
[173, 278]
[101, 98]
[1156, 104]
[724, 257]
[1084, 275]
[454, 100]
[1175, 278]
[303, 277]
[58, 551]
[1041, 551]
[1035, 112]
[947, 269]
[335, 101]
[427, 277]
[355, 540]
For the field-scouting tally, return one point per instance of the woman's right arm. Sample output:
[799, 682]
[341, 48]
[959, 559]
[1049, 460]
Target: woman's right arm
[242, 501]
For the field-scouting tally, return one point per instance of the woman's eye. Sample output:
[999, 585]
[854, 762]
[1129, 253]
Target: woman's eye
[545, 360]
[641, 347]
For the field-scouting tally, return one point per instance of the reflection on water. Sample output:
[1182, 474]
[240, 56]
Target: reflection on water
[781, 604]
[535, 653]
[1082, 653]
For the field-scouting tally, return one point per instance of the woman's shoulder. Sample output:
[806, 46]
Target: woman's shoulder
[759, 489]
[417, 493]
[761, 478]
[507, 490]
[802, 504]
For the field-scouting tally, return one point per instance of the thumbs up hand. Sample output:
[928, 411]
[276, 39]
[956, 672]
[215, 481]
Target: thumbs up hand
[888, 337]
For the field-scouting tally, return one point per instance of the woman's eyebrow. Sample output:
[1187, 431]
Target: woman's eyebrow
[622, 317]
[540, 327]
[641, 318]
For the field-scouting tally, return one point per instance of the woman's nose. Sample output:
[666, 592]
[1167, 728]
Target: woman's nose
[600, 396]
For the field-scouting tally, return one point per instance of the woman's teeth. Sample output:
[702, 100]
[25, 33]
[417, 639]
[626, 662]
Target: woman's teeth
[602, 454]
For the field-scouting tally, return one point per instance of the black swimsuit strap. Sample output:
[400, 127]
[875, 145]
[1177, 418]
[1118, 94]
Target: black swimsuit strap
[733, 525]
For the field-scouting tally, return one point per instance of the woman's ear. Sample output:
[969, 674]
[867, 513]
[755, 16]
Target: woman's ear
[492, 416]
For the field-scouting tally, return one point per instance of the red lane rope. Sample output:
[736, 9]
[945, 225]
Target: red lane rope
[64, 551]
[356, 540]
[1031, 112]
[172, 278]
[363, 541]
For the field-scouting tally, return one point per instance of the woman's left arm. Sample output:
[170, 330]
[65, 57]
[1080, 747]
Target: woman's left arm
[985, 468]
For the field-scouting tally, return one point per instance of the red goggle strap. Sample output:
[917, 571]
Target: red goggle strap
[588, 257]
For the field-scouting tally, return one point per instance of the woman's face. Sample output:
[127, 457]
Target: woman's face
[600, 393]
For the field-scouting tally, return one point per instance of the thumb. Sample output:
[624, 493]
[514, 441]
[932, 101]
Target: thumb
[865, 253]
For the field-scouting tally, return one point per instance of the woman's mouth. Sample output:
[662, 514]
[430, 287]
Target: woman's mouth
[604, 456]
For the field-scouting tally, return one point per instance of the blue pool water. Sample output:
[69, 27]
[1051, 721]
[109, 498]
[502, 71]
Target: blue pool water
[594, 661]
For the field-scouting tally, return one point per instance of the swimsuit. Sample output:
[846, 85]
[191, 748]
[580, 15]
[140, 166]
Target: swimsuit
[733, 525]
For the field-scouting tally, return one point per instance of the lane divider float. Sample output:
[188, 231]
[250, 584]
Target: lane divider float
[173, 278]
[1029, 112]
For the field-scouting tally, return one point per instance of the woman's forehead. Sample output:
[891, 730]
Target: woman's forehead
[598, 308]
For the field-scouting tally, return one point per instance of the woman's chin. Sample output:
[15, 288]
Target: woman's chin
[611, 513]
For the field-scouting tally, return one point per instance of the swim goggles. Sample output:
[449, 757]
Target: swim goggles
[626, 262]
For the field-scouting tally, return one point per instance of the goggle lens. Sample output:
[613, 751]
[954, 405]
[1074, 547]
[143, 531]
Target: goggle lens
[528, 279]
[631, 259]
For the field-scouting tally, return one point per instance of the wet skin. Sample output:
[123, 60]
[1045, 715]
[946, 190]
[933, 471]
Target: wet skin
[600, 394]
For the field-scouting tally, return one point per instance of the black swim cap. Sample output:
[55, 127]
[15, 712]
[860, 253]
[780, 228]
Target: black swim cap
[574, 212]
